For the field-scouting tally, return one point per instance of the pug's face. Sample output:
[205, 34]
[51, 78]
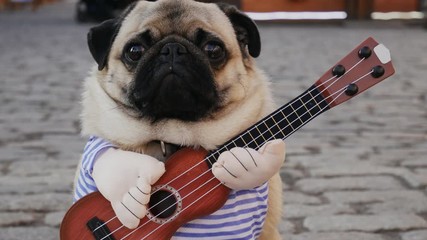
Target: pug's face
[175, 59]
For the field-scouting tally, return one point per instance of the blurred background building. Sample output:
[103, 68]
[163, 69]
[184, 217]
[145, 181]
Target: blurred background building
[270, 10]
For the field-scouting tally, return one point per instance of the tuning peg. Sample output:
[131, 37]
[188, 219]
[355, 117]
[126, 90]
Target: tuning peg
[352, 89]
[338, 70]
[377, 71]
[365, 52]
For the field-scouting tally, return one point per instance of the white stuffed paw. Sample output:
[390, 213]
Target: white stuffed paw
[246, 168]
[133, 206]
[125, 178]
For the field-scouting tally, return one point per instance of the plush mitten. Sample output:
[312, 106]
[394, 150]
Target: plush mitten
[246, 168]
[125, 178]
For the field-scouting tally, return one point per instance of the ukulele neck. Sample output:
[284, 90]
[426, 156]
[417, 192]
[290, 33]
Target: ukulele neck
[280, 124]
[368, 64]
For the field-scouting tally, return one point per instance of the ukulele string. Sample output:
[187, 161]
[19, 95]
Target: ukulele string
[253, 127]
[111, 233]
[340, 91]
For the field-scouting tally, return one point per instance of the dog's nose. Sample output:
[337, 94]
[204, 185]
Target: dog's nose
[172, 51]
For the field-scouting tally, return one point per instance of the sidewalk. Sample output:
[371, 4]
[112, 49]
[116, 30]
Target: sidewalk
[358, 172]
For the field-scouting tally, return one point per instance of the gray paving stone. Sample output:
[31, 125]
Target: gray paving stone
[16, 218]
[415, 235]
[291, 173]
[36, 184]
[35, 202]
[337, 236]
[368, 169]
[397, 206]
[421, 175]
[73, 142]
[365, 223]
[287, 228]
[54, 219]
[318, 160]
[404, 196]
[300, 198]
[299, 210]
[24, 190]
[65, 127]
[15, 153]
[42, 168]
[422, 162]
[318, 185]
[25, 233]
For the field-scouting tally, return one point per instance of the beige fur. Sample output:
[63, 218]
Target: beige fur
[247, 98]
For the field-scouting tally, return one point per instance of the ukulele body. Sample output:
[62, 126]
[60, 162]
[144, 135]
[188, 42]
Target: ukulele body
[195, 194]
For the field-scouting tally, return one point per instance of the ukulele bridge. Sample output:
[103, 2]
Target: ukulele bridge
[99, 229]
[165, 204]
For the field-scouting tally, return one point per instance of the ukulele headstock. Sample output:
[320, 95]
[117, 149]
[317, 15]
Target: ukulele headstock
[368, 64]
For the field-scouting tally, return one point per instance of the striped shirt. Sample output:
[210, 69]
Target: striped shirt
[242, 216]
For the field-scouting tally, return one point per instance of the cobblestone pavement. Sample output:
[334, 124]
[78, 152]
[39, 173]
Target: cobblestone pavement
[358, 172]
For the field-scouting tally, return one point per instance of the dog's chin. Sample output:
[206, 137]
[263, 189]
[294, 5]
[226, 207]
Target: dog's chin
[173, 111]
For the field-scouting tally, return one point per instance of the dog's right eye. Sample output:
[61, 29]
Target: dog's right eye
[134, 52]
[214, 51]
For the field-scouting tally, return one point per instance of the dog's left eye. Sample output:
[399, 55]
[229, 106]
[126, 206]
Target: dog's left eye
[134, 52]
[214, 51]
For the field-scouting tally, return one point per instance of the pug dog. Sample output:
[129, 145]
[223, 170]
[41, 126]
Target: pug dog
[172, 74]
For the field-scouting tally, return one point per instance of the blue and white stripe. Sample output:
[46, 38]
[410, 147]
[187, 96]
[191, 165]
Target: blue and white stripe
[85, 183]
[241, 218]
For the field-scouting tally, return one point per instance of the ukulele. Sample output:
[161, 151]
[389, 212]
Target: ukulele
[188, 190]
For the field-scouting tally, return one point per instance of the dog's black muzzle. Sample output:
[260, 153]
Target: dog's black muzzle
[176, 82]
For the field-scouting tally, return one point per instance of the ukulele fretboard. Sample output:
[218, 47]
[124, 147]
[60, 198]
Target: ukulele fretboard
[279, 124]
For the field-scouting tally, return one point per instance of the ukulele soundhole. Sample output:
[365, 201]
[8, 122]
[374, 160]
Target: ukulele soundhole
[165, 204]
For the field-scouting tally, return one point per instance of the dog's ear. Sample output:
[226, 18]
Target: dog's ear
[246, 30]
[100, 39]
